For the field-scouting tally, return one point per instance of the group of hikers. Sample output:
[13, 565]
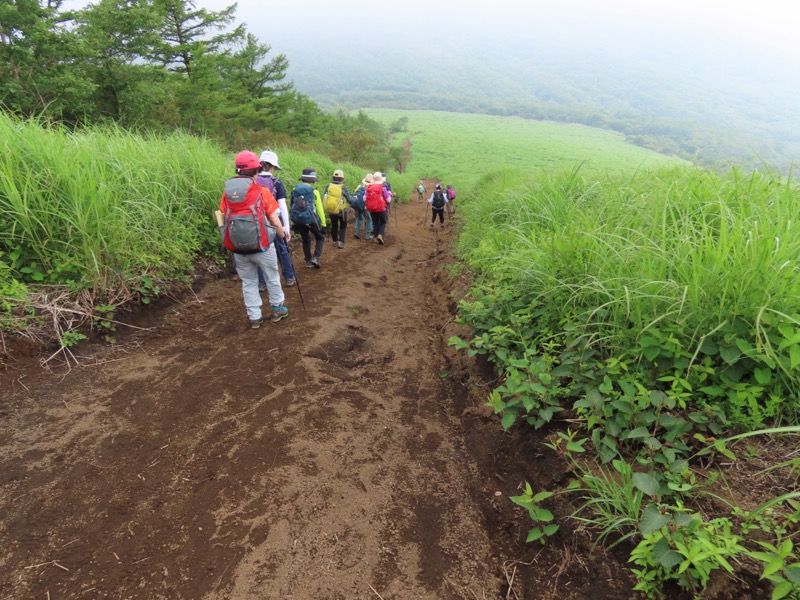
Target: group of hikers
[439, 200]
[256, 215]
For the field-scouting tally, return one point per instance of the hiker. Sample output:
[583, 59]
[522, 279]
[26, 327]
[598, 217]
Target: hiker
[438, 201]
[378, 198]
[247, 206]
[387, 186]
[420, 190]
[268, 179]
[451, 195]
[335, 199]
[362, 214]
[308, 216]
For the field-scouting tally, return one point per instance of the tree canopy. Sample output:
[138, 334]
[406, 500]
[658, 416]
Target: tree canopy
[158, 65]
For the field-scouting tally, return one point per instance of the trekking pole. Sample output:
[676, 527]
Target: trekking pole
[297, 280]
[395, 220]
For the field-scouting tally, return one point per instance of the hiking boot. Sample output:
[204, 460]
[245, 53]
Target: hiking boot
[340, 244]
[290, 281]
[279, 312]
[355, 235]
[256, 324]
[379, 239]
[262, 287]
[431, 225]
[309, 264]
[315, 262]
[369, 237]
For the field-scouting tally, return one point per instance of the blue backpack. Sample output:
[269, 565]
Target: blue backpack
[359, 197]
[301, 207]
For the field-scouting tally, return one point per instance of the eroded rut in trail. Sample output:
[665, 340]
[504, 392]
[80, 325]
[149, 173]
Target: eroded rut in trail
[343, 453]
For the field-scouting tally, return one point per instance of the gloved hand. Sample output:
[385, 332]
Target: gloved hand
[324, 231]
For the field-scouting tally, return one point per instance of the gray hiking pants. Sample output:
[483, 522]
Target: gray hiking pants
[247, 266]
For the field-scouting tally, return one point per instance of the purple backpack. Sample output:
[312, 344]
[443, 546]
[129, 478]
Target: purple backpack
[267, 182]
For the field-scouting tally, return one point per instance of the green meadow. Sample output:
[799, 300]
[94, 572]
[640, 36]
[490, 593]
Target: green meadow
[459, 147]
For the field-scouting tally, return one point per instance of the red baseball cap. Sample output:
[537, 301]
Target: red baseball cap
[247, 160]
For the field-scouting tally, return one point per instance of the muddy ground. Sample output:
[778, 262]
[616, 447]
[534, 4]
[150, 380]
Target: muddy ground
[343, 453]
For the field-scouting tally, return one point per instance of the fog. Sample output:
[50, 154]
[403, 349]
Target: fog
[703, 63]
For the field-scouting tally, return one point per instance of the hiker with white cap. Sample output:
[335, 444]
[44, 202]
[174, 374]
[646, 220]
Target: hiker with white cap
[247, 208]
[308, 216]
[268, 178]
[360, 206]
[438, 202]
[378, 199]
[336, 198]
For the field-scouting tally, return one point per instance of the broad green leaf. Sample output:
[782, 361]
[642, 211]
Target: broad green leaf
[541, 496]
[665, 555]
[794, 355]
[729, 354]
[546, 414]
[775, 565]
[651, 353]
[508, 419]
[763, 376]
[534, 534]
[652, 519]
[793, 574]
[647, 483]
[639, 432]
[783, 589]
[550, 529]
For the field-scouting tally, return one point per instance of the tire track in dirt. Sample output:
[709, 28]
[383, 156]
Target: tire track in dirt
[313, 458]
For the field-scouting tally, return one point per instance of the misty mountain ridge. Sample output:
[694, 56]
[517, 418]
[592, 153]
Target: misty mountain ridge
[699, 96]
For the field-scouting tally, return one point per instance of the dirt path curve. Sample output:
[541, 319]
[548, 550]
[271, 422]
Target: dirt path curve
[314, 458]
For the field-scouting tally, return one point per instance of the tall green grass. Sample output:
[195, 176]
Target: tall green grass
[98, 208]
[711, 260]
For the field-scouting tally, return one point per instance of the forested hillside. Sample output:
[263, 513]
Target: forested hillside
[694, 97]
[161, 65]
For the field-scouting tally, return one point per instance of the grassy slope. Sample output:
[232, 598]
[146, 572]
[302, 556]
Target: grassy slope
[461, 147]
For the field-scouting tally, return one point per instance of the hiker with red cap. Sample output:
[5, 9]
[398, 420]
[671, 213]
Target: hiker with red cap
[378, 199]
[247, 208]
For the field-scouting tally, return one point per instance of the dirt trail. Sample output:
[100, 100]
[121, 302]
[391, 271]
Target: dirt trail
[319, 457]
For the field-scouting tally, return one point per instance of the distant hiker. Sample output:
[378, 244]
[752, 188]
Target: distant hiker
[378, 198]
[247, 206]
[308, 216]
[360, 206]
[438, 201]
[388, 186]
[267, 178]
[335, 199]
[451, 195]
[420, 190]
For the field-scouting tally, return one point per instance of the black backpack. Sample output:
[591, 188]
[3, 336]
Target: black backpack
[438, 200]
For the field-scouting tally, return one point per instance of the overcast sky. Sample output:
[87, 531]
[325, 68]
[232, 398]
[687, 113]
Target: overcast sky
[766, 24]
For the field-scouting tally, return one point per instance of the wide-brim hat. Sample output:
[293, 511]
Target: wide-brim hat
[309, 175]
[268, 156]
[377, 177]
[367, 180]
[338, 174]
